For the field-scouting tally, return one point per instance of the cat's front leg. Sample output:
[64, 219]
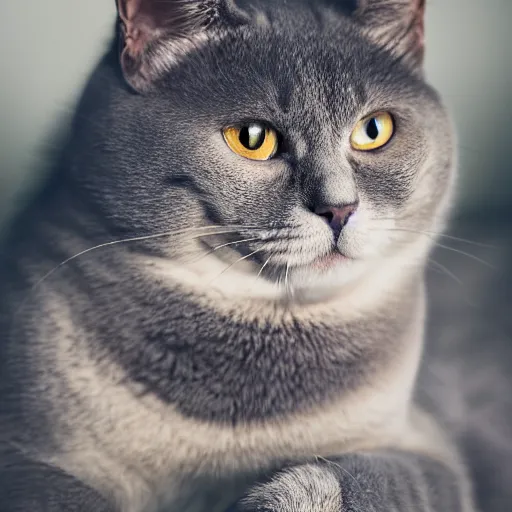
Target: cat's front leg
[387, 481]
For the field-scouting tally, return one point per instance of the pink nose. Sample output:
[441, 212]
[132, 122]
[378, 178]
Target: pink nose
[336, 217]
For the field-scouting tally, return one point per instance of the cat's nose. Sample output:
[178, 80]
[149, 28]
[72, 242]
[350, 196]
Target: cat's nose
[336, 216]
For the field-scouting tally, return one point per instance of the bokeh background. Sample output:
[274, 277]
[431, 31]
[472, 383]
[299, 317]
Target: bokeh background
[49, 48]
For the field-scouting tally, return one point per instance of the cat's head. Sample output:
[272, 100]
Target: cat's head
[291, 141]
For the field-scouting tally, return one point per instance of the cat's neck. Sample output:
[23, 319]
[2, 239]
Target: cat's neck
[257, 299]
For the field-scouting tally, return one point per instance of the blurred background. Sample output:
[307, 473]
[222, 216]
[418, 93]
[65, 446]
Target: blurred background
[49, 49]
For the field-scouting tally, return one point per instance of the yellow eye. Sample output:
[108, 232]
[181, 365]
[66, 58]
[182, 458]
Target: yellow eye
[255, 141]
[373, 132]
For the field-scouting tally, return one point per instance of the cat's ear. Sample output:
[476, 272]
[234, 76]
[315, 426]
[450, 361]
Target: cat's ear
[396, 24]
[154, 34]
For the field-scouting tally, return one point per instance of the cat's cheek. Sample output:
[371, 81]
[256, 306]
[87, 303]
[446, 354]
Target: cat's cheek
[358, 241]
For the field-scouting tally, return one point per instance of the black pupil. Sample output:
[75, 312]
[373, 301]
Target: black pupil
[372, 129]
[252, 136]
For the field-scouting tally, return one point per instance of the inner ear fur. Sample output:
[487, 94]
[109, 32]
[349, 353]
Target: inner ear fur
[155, 33]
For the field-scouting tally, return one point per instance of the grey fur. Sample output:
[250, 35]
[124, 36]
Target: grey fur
[188, 347]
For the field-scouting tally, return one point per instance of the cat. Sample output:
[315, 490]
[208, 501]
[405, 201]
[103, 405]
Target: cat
[217, 301]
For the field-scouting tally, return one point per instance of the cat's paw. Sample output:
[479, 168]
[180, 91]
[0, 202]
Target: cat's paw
[307, 488]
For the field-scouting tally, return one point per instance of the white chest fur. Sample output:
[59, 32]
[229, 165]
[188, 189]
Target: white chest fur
[152, 458]
[149, 456]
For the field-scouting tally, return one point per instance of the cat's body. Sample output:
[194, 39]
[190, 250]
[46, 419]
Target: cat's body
[317, 399]
[175, 369]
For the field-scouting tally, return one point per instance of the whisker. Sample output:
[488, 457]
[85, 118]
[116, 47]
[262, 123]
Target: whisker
[463, 240]
[447, 247]
[234, 263]
[211, 251]
[210, 231]
[234, 243]
[127, 240]
[457, 279]
[258, 276]
[263, 267]
[443, 235]
[467, 254]
[286, 285]
[446, 271]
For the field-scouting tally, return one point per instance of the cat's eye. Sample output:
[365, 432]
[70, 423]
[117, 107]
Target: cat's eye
[373, 132]
[255, 141]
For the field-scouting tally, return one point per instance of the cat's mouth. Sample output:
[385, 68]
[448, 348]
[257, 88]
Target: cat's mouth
[330, 260]
[273, 263]
[292, 266]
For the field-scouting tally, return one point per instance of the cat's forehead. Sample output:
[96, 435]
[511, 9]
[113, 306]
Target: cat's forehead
[316, 74]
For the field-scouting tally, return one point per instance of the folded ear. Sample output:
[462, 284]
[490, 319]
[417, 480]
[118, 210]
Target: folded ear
[395, 24]
[154, 34]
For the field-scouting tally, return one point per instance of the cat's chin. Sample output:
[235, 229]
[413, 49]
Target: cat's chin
[331, 276]
[317, 280]
[351, 287]
[331, 261]
[326, 276]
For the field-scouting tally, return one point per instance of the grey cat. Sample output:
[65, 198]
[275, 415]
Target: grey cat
[218, 300]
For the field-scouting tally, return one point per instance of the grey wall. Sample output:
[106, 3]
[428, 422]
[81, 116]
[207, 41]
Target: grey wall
[469, 60]
[49, 47]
